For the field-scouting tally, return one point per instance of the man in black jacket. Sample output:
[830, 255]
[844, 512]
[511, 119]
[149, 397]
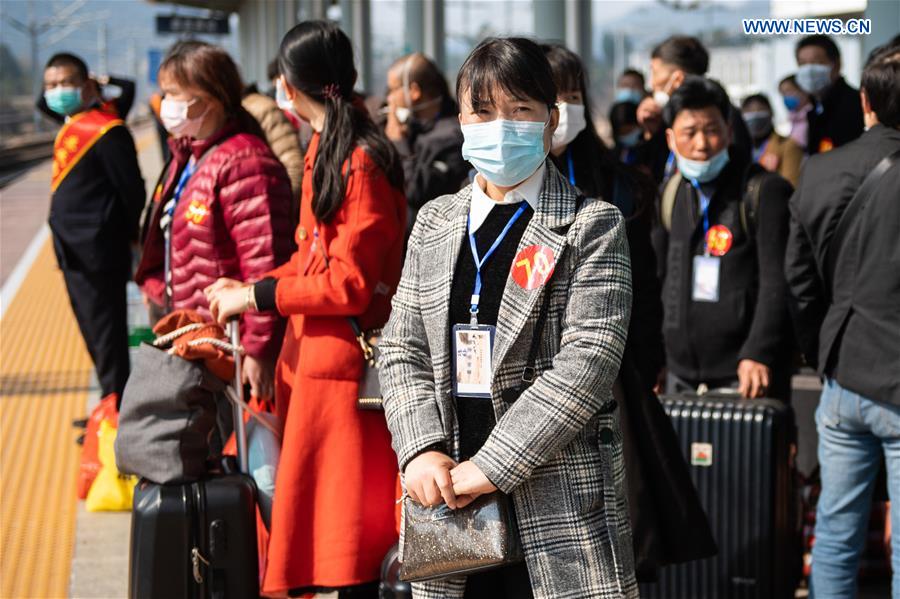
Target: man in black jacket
[671, 61]
[725, 319]
[423, 122]
[836, 117]
[98, 196]
[843, 271]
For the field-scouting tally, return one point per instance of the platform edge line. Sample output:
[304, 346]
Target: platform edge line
[17, 276]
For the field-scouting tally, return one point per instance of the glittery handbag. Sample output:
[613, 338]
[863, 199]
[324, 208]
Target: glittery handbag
[442, 543]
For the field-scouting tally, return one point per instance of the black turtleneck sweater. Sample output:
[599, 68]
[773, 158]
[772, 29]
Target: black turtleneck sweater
[476, 415]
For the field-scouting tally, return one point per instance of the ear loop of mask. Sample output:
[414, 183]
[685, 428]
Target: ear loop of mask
[404, 77]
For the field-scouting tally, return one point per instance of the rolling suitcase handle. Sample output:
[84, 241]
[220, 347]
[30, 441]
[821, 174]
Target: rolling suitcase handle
[240, 431]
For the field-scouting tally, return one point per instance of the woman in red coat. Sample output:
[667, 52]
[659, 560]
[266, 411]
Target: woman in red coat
[333, 513]
[222, 204]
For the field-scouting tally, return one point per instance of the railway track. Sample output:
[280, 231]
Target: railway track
[17, 158]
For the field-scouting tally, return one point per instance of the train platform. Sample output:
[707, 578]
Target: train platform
[49, 545]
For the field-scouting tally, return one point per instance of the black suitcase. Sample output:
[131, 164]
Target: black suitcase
[197, 540]
[739, 452]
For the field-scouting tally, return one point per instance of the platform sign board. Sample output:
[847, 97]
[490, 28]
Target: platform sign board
[154, 59]
[179, 24]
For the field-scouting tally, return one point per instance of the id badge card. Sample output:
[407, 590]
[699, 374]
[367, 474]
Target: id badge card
[706, 278]
[472, 347]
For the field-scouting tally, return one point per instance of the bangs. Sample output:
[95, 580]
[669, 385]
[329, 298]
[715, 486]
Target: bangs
[514, 66]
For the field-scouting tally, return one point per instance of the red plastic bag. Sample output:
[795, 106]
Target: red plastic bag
[90, 460]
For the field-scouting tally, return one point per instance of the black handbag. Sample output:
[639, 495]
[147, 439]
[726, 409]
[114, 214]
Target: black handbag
[369, 394]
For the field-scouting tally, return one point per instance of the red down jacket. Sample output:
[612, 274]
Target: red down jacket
[232, 220]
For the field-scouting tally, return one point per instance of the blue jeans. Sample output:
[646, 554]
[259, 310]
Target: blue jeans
[853, 431]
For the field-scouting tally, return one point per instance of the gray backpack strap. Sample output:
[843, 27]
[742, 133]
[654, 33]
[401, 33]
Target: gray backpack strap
[667, 205]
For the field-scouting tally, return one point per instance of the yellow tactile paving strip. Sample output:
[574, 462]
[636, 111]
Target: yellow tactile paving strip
[44, 375]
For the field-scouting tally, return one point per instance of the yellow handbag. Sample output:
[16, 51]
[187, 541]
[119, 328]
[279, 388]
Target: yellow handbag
[111, 491]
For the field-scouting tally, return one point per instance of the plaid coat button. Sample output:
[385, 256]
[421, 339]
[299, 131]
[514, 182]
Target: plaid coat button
[510, 395]
[606, 435]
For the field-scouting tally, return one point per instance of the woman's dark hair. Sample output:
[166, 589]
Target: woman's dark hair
[759, 98]
[515, 65]
[621, 114]
[697, 92]
[596, 166]
[685, 52]
[210, 69]
[316, 57]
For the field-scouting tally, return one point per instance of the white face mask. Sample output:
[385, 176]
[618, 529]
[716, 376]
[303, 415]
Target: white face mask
[281, 97]
[813, 78]
[661, 98]
[174, 115]
[571, 123]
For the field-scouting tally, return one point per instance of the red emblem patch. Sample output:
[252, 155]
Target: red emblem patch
[533, 266]
[196, 212]
[719, 240]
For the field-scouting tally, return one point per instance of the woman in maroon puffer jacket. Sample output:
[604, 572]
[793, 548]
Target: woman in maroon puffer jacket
[222, 205]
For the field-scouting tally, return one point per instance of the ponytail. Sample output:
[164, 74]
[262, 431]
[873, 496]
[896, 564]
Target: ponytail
[316, 57]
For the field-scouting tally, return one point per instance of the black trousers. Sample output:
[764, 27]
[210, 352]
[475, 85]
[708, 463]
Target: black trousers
[511, 582]
[99, 302]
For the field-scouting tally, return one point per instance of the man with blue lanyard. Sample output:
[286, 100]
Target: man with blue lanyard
[726, 321]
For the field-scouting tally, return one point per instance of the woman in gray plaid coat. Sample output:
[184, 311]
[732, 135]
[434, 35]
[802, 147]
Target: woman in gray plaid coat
[491, 254]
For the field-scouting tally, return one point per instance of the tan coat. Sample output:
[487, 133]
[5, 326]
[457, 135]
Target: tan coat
[282, 138]
[783, 156]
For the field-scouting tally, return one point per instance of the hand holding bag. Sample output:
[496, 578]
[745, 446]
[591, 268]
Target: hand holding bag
[441, 543]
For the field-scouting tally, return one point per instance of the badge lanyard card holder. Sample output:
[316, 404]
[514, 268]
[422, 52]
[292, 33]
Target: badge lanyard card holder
[473, 344]
[166, 224]
[707, 268]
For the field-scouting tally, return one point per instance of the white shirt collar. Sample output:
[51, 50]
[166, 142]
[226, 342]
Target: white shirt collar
[528, 190]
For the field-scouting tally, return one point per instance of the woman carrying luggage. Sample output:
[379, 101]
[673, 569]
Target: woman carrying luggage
[221, 207]
[465, 426]
[668, 522]
[333, 513]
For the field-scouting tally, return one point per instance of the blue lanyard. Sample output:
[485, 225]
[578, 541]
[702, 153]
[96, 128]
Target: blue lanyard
[758, 152]
[571, 165]
[182, 183]
[167, 233]
[704, 209]
[670, 165]
[476, 295]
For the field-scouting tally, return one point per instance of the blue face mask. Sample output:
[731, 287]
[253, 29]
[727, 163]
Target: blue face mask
[702, 171]
[792, 103]
[63, 100]
[630, 140]
[504, 152]
[628, 94]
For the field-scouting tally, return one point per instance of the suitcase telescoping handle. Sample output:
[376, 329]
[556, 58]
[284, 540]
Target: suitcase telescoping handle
[240, 431]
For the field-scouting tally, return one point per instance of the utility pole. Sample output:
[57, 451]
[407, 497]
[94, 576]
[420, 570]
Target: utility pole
[103, 48]
[35, 28]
